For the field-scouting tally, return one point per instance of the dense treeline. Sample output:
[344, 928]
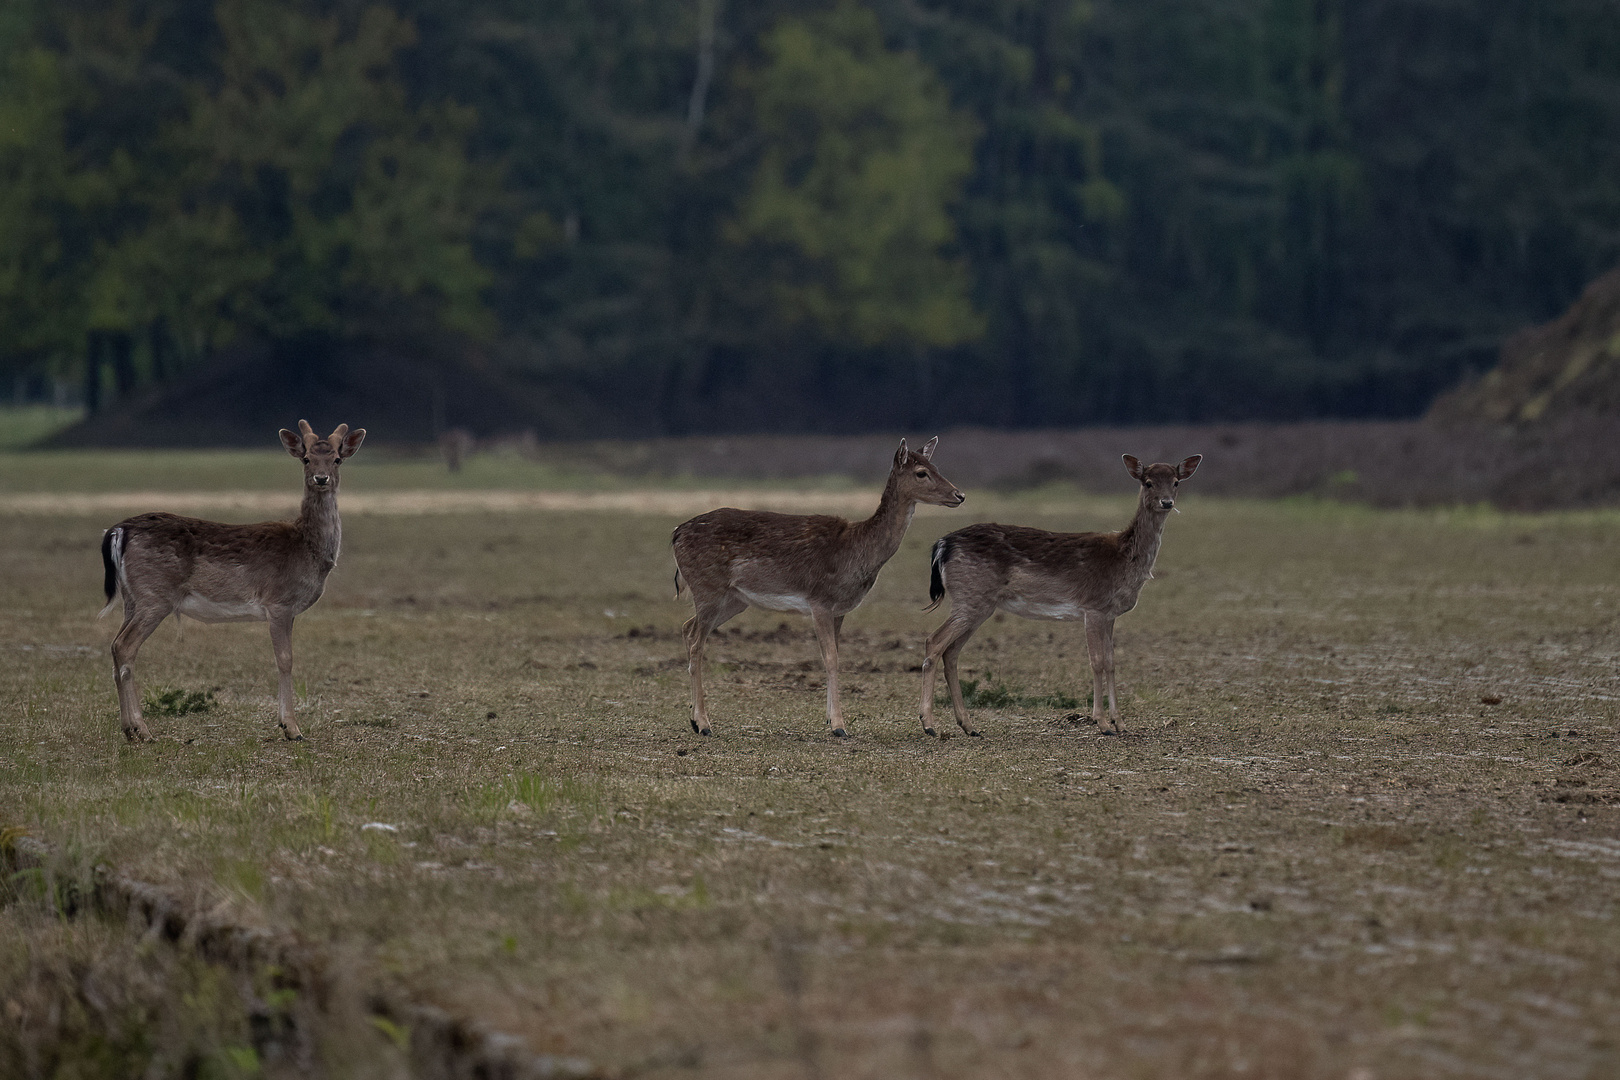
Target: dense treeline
[827, 214]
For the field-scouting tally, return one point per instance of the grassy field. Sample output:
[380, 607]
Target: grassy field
[22, 426]
[1364, 824]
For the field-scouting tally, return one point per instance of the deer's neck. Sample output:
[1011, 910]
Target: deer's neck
[879, 536]
[1139, 543]
[319, 522]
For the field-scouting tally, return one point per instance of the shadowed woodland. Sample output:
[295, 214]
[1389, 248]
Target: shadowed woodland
[660, 219]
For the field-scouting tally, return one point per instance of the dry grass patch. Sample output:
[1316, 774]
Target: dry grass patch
[1316, 851]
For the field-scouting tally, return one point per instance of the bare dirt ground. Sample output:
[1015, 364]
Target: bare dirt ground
[1563, 462]
[1365, 823]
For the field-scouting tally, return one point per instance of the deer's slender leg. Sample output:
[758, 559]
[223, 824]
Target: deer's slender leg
[138, 626]
[954, 682]
[929, 671]
[947, 642]
[1099, 635]
[827, 635]
[708, 613]
[1108, 667]
[281, 641]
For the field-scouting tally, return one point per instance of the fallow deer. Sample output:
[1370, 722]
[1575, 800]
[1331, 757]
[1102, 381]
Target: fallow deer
[270, 572]
[817, 565]
[1045, 575]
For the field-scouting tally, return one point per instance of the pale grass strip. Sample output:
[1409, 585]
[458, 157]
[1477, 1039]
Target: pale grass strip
[273, 503]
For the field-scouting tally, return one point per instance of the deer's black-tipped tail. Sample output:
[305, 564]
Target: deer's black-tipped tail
[109, 584]
[936, 572]
[112, 553]
[674, 538]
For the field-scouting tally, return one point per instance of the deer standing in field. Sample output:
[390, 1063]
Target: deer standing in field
[1046, 575]
[270, 572]
[817, 565]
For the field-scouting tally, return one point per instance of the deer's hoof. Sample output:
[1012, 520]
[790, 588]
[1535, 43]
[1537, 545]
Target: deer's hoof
[976, 735]
[840, 733]
[138, 734]
[931, 732]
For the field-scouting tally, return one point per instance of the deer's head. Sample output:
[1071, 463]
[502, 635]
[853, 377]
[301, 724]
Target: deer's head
[1159, 481]
[915, 477]
[321, 457]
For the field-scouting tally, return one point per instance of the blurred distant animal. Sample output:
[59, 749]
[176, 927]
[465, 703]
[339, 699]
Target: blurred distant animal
[817, 565]
[1047, 575]
[455, 446]
[270, 572]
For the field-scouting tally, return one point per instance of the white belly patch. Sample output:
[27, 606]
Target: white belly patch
[203, 609]
[1061, 610]
[777, 602]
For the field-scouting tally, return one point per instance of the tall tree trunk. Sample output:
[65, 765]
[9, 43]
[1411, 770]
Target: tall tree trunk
[157, 339]
[708, 10]
[92, 372]
[123, 363]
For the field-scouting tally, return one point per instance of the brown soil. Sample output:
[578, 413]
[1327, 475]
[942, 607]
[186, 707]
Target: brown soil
[1567, 367]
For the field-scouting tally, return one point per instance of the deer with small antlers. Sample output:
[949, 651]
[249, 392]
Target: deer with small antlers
[270, 572]
[1046, 575]
[816, 565]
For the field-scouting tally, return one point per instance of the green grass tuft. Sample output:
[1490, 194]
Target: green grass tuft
[541, 795]
[990, 694]
[170, 701]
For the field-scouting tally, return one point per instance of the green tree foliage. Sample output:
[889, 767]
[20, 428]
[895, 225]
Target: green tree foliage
[292, 187]
[41, 312]
[862, 156]
[582, 102]
[709, 214]
[306, 193]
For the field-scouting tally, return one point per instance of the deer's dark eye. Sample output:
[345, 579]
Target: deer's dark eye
[922, 474]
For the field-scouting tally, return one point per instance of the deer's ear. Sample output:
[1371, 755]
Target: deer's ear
[901, 455]
[1133, 466]
[928, 448]
[1188, 467]
[293, 443]
[351, 442]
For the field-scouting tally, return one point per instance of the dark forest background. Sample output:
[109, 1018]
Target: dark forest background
[680, 216]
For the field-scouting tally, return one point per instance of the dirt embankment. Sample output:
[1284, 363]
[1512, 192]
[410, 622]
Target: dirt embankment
[1566, 463]
[1567, 367]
